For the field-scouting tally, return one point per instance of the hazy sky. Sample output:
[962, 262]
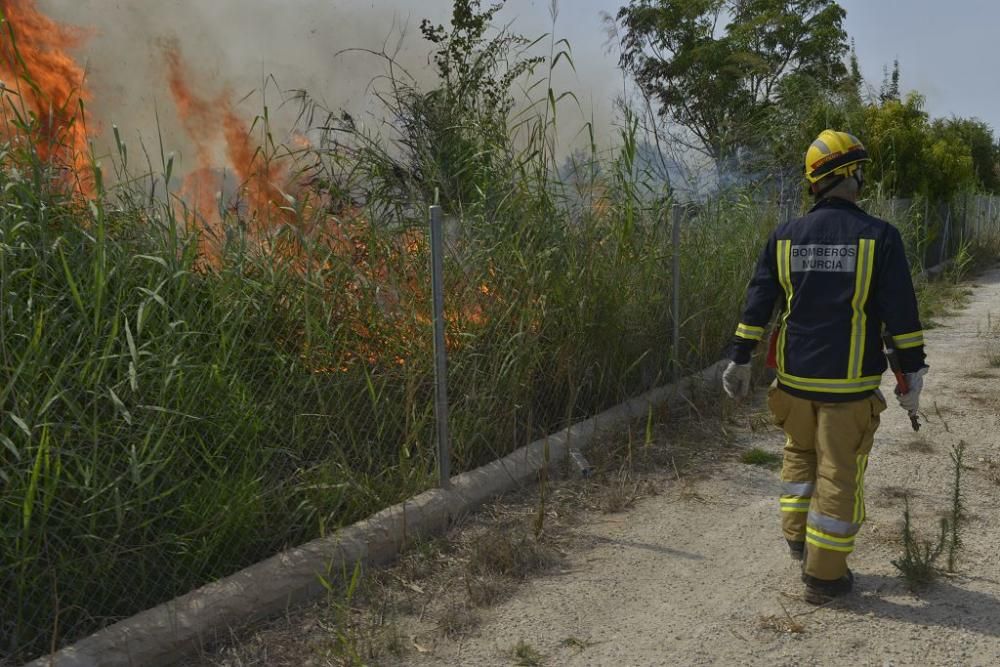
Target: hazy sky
[944, 50]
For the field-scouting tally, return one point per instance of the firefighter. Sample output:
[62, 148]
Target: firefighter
[838, 276]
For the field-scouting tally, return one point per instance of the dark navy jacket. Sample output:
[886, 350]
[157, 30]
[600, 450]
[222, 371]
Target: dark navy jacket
[839, 276]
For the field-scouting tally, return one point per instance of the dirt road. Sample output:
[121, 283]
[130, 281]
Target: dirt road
[703, 577]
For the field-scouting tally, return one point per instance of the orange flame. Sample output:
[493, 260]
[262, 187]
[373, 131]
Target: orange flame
[196, 114]
[52, 86]
[259, 179]
[375, 283]
[207, 122]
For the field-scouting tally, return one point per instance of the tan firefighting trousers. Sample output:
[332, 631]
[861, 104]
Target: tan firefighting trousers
[823, 490]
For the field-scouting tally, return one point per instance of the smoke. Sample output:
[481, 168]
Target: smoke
[236, 46]
[251, 48]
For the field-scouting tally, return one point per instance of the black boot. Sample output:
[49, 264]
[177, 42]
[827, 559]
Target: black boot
[796, 550]
[821, 591]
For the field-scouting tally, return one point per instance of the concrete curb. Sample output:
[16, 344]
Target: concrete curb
[937, 269]
[165, 634]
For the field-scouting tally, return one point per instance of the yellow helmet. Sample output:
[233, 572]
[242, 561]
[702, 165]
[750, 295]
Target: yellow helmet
[834, 153]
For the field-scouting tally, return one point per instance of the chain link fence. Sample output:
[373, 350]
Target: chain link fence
[172, 414]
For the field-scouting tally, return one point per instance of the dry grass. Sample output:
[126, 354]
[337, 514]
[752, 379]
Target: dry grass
[759, 421]
[346, 642]
[888, 534]
[421, 560]
[500, 553]
[990, 401]
[580, 645]
[894, 493]
[919, 445]
[982, 374]
[781, 624]
[488, 590]
[946, 410]
[991, 468]
[621, 493]
[991, 349]
[457, 620]
[525, 655]
[786, 624]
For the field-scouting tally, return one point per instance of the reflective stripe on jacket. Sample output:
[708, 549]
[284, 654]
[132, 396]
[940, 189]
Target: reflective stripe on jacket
[839, 276]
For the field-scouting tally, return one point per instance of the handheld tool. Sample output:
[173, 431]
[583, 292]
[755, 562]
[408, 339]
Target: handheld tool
[772, 348]
[902, 387]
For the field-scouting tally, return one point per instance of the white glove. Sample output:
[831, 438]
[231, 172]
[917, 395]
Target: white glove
[736, 380]
[911, 401]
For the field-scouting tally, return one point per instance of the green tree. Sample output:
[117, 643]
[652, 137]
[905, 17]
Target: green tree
[897, 135]
[802, 112]
[716, 67]
[890, 84]
[476, 71]
[982, 147]
[855, 78]
[910, 155]
[455, 138]
[951, 168]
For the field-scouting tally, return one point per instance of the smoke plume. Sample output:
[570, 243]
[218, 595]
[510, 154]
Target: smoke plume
[240, 45]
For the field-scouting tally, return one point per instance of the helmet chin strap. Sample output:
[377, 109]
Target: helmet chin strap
[819, 194]
[856, 175]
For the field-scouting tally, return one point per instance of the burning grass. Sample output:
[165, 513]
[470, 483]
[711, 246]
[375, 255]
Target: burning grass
[45, 91]
[271, 395]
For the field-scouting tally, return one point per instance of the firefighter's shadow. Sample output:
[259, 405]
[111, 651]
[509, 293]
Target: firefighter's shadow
[944, 604]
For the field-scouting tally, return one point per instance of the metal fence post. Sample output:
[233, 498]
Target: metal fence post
[675, 236]
[440, 352]
[926, 233]
[943, 253]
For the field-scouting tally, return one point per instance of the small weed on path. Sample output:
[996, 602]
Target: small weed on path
[917, 565]
[579, 645]
[762, 458]
[526, 656]
[782, 624]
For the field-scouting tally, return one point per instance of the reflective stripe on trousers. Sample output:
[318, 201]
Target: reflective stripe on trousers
[826, 456]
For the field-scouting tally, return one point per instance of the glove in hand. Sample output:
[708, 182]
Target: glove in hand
[911, 401]
[736, 380]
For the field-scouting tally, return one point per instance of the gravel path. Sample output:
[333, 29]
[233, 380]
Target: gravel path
[702, 577]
